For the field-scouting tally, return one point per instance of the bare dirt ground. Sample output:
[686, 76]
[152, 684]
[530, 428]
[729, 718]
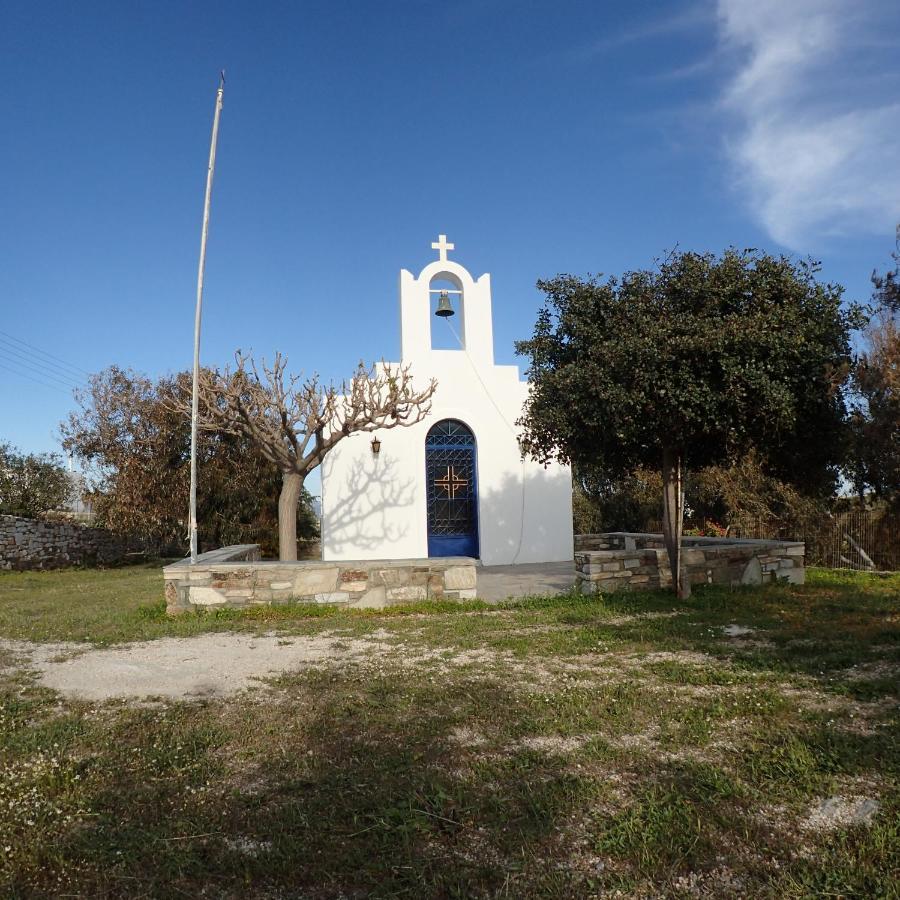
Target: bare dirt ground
[222, 664]
[207, 665]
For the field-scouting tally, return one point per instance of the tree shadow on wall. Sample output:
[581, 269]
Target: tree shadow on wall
[368, 516]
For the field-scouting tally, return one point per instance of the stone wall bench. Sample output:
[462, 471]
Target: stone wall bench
[236, 577]
[622, 560]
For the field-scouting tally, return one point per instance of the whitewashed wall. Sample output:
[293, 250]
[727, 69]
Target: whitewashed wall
[375, 507]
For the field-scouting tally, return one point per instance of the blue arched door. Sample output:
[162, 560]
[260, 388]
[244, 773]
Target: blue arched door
[451, 489]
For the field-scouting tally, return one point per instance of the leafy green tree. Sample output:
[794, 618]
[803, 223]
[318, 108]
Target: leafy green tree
[745, 499]
[631, 502]
[31, 484]
[134, 438]
[739, 498]
[886, 288]
[689, 365]
[876, 381]
[876, 415]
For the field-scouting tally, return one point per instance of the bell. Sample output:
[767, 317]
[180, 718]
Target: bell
[444, 309]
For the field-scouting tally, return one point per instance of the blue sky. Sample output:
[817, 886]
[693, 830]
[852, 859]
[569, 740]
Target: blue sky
[540, 137]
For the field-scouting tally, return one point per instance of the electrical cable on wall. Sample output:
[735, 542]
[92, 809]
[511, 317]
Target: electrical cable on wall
[508, 425]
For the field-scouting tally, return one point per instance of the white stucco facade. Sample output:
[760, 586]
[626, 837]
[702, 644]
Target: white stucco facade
[375, 507]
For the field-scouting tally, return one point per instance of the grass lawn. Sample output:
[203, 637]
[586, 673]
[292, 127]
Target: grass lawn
[564, 747]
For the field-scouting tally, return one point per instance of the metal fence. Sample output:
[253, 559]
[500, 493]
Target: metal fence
[860, 539]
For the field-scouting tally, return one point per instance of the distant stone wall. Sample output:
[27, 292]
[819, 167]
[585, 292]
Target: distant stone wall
[39, 544]
[632, 561]
[235, 577]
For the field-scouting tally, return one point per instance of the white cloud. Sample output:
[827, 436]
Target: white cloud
[816, 144]
[687, 18]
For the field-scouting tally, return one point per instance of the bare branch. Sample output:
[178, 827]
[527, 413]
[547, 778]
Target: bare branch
[295, 421]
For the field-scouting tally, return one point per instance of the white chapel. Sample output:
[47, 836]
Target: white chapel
[454, 484]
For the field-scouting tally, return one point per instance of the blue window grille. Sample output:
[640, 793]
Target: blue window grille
[451, 490]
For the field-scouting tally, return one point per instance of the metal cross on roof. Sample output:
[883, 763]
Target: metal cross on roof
[442, 246]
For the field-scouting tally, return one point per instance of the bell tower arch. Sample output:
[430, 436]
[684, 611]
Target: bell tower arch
[471, 302]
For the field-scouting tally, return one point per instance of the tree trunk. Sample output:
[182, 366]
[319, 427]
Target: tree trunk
[673, 519]
[291, 486]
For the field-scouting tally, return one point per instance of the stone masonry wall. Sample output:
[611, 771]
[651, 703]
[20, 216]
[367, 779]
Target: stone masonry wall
[633, 561]
[39, 544]
[235, 577]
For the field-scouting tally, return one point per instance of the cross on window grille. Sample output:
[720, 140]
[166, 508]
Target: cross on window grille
[451, 482]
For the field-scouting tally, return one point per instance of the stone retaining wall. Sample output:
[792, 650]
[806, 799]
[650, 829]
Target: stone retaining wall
[235, 577]
[633, 561]
[48, 544]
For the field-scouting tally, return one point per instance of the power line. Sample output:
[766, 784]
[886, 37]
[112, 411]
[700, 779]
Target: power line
[35, 380]
[39, 365]
[53, 356]
[55, 360]
[13, 365]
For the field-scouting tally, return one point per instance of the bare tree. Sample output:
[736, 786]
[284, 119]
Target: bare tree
[295, 422]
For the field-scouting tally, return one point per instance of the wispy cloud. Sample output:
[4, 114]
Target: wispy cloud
[816, 140]
[699, 68]
[689, 18]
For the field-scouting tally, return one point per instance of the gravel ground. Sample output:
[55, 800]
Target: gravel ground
[203, 666]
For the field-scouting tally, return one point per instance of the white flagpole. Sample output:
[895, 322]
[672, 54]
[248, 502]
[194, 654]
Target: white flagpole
[195, 397]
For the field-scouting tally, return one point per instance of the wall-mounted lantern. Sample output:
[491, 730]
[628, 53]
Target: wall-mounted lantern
[376, 446]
